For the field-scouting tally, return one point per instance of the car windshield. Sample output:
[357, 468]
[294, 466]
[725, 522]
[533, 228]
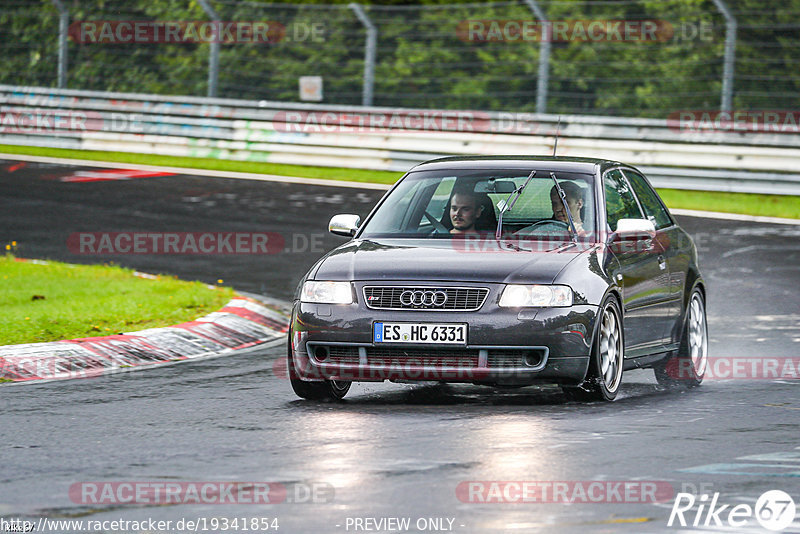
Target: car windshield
[446, 204]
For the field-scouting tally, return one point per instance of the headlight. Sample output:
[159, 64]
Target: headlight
[516, 296]
[327, 292]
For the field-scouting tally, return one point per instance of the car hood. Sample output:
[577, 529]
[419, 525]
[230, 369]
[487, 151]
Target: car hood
[447, 260]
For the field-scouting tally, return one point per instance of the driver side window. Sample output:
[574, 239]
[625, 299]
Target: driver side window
[620, 202]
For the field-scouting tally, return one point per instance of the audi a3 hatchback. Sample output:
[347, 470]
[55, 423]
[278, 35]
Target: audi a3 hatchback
[505, 272]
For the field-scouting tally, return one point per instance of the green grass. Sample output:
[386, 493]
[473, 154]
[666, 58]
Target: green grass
[328, 173]
[93, 300]
[744, 203]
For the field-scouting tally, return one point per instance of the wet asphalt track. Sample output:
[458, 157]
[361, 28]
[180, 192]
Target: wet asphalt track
[390, 450]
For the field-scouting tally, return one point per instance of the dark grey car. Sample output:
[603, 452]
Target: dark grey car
[571, 271]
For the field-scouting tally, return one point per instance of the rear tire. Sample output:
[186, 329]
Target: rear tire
[688, 367]
[607, 357]
[323, 390]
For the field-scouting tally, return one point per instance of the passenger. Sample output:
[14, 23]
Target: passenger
[574, 195]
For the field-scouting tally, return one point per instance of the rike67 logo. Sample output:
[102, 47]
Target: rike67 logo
[774, 510]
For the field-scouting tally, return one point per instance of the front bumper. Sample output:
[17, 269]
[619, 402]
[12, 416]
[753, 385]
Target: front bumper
[505, 346]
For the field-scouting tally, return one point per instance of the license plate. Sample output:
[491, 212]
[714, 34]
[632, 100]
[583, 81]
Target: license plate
[450, 334]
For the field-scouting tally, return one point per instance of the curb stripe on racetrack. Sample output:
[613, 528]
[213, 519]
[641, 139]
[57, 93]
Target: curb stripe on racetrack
[242, 324]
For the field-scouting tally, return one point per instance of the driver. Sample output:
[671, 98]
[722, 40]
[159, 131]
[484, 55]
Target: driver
[464, 211]
[574, 196]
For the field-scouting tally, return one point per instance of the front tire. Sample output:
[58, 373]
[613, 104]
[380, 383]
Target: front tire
[607, 357]
[688, 368]
[325, 390]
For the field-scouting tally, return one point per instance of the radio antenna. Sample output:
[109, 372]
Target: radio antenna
[558, 126]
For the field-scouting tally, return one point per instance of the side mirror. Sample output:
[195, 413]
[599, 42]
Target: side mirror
[344, 224]
[635, 229]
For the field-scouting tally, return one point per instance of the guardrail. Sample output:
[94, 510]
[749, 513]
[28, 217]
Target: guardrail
[389, 138]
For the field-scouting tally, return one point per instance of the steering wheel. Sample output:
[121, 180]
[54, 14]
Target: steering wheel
[438, 227]
[559, 225]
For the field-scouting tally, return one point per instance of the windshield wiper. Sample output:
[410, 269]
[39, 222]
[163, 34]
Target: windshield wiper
[507, 207]
[563, 197]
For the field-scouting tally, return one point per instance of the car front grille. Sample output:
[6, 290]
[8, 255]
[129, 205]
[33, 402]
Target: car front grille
[428, 357]
[424, 357]
[344, 355]
[430, 298]
[411, 356]
[499, 359]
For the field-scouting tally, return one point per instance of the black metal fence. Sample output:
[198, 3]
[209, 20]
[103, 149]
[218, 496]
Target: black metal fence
[610, 57]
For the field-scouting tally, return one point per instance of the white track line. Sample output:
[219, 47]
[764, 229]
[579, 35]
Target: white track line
[733, 216]
[333, 183]
[200, 172]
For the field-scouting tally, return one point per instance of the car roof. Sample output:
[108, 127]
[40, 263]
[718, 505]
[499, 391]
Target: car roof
[557, 163]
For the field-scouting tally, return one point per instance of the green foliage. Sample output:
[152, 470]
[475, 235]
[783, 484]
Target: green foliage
[28, 56]
[423, 61]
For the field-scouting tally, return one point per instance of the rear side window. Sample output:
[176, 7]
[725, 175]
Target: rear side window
[620, 202]
[651, 205]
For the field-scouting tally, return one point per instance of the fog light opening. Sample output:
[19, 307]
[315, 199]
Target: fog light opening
[533, 358]
[321, 353]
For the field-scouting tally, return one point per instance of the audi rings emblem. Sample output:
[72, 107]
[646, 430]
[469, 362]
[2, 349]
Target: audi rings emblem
[423, 298]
